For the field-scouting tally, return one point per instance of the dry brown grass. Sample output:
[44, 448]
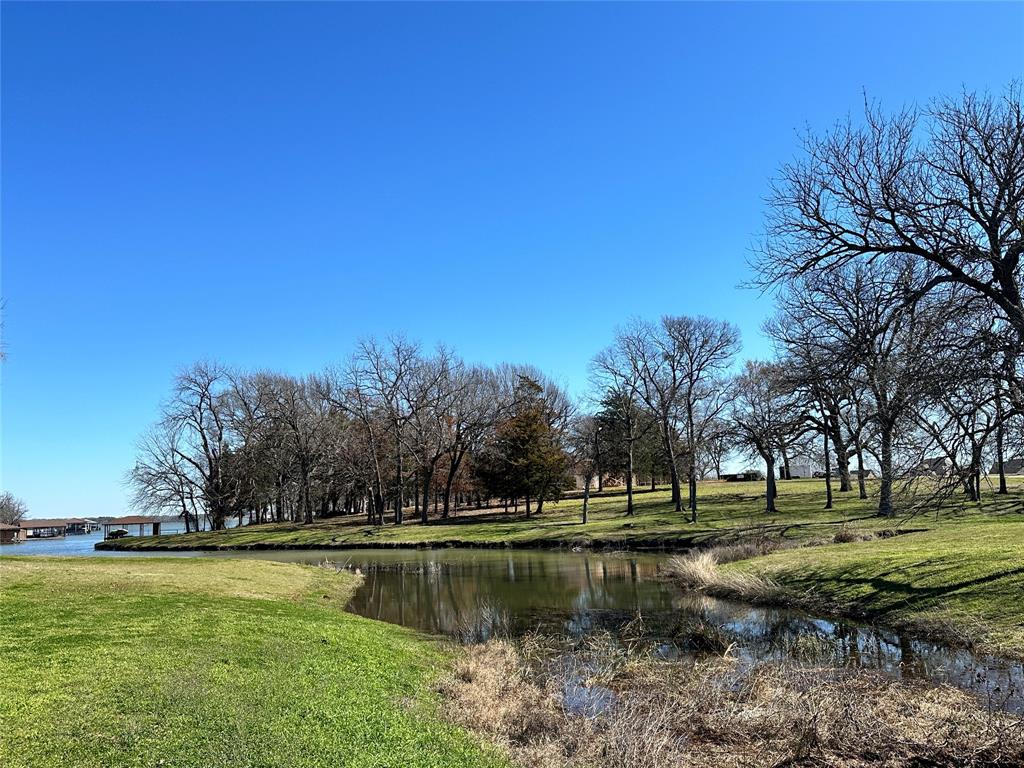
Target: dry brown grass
[699, 570]
[720, 713]
[848, 535]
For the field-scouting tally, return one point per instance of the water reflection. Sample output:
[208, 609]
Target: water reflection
[485, 594]
[475, 595]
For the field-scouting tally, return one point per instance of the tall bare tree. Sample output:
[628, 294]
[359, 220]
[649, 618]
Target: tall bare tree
[705, 348]
[942, 186]
[764, 416]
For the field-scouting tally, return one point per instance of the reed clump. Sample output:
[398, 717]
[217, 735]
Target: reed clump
[700, 570]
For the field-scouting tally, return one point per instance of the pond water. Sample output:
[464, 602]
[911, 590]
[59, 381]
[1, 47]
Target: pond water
[475, 594]
[471, 595]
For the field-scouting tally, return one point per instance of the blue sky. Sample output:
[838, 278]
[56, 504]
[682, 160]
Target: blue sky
[263, 184]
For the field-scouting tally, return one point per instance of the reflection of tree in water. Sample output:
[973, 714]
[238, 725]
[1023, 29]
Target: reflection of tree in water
[493, 594]
[510, 593]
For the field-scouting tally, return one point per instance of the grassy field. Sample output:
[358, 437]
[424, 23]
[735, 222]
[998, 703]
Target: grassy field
[727, 511]
[961, 581]
[181, 662]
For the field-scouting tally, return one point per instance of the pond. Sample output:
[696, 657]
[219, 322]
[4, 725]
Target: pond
[471, 595]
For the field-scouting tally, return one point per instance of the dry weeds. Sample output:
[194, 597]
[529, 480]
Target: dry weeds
[699, 570]
[848, 535]
[720, 713]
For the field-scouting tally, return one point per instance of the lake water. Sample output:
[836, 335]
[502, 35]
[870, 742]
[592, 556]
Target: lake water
[474, 594]
[68, 546]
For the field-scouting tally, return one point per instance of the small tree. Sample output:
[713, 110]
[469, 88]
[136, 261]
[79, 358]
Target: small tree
[12, 509]
[585, 452]
[763, 417]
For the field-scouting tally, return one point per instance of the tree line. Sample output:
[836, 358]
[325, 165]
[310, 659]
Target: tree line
[893, 250]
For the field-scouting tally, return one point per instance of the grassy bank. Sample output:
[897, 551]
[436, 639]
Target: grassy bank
[168, 662]
[962, 581]
[728, 512]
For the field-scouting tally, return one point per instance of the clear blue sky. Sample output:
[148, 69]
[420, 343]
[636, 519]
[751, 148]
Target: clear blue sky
[263, 184]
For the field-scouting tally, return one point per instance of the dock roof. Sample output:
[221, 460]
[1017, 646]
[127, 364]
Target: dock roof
[137, 520]
[49, 522]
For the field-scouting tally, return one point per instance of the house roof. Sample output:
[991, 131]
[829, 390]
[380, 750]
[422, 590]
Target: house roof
[135, 520]
[49, 522]
[1011, 467]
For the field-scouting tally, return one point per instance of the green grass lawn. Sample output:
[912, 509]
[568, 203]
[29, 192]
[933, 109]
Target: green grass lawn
[727, 511]
[965, 580]
[182, 662]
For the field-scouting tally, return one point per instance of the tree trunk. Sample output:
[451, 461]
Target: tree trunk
[861, 485]
[629, 478]
[378, 506]
[670, 454]
[586, 498]
[885, 508]
[307, 502]
[828, 472]
[428, 477]
[1000, 438]
[693, 489]
[398, 484]
[453, 471]
[841, 448]
[770, 488]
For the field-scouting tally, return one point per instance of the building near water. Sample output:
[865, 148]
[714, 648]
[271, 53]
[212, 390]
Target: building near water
[42, 529]
[8, 533]
[132, 525]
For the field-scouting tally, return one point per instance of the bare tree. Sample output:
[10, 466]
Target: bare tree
[763, 416]
[474, 407]
[161, 480]
[352, 390]
[584, 451]
[300, 408]
[705, 348]
[12, 509]
[942, 186]
[197, 414]
[614, 373]
[654, 372]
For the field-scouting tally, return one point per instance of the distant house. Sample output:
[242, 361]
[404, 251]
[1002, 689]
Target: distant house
[8, 533]
[747, 474]
[936, 466]
[607, 481]
[1011, 467]
[799, 468]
